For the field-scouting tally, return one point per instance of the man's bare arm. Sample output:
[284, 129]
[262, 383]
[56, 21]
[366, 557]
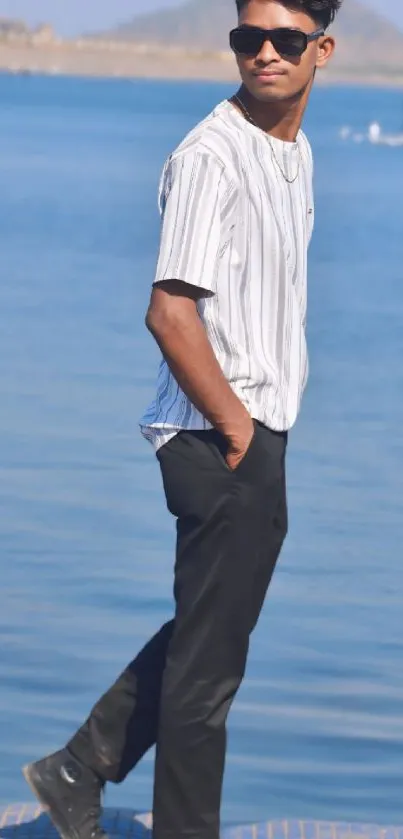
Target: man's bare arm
[173, 320]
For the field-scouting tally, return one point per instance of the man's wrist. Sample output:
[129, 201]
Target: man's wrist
[239, 428]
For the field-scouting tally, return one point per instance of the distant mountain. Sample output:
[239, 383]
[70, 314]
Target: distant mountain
[365, 39]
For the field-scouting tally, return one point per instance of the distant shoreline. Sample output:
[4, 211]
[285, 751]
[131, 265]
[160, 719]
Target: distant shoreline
[136, 61]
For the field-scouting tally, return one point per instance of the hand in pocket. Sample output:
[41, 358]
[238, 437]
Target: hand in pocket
[238, 447]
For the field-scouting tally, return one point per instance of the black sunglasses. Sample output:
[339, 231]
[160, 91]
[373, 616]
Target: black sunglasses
[249, 40]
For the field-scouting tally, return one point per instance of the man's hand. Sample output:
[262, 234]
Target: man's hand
[239, 443]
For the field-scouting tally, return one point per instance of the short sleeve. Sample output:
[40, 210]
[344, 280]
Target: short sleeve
[194, 200]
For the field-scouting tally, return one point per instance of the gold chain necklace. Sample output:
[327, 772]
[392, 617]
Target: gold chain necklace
[250, 119]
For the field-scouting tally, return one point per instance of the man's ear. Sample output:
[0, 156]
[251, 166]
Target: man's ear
[326, 48]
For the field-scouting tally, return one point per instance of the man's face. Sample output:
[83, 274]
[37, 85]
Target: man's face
[286, 76]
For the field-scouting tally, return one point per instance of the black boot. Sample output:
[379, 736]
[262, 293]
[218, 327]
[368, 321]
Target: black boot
[70, 792]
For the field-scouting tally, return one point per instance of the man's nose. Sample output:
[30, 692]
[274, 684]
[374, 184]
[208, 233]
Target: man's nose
[267, 54]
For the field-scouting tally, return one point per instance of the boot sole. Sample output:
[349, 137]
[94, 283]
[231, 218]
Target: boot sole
[34, 781]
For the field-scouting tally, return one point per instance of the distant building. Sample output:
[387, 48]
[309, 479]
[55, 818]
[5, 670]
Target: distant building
[13, 30]
[18, 31]
[43, 34]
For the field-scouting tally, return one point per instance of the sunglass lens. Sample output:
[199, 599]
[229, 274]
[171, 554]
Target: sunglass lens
[288, 42]
[246, 42]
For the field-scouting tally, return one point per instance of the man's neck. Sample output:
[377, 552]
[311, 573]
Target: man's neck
[280, 119]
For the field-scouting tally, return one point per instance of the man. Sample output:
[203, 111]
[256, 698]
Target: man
[228, 310]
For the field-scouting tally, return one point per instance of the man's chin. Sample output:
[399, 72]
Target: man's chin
[271, 94]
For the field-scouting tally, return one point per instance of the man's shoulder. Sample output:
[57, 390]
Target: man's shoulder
[213, 137]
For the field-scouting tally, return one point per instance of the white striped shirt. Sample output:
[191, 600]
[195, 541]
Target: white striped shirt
[234, 226]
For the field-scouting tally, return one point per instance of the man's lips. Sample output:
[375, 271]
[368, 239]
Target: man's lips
[268, 74]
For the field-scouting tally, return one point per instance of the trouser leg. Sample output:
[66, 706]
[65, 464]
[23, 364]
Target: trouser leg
[123, 725]
[231, 526]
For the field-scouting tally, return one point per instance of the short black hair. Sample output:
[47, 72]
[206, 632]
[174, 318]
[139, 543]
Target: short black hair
[323, 12]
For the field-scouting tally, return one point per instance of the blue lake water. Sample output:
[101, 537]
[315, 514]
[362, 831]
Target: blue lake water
[86, 543]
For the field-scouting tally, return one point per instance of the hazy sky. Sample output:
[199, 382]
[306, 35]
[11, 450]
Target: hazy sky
[72, 16]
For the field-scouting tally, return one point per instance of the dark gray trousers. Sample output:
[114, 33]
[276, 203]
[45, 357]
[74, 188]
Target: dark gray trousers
[177, 693]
